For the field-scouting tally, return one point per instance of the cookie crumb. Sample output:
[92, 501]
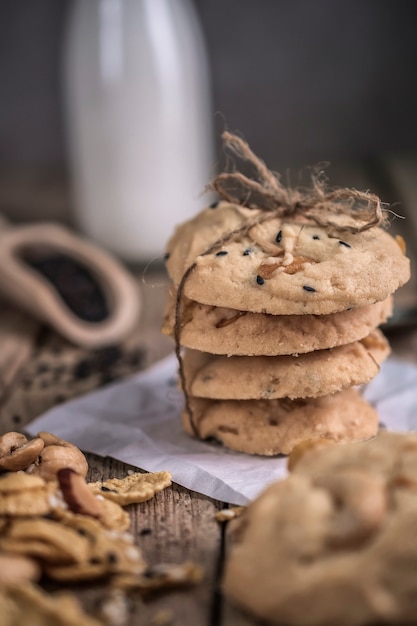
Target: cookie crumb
[226, 515]
[163, 617]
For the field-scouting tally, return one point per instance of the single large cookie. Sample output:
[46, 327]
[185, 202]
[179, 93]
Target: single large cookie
[335, 542]
[226, 331]
[306, 376]
[270, 427]
[282, 267]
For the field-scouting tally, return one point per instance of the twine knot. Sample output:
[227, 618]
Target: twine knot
[342, 209]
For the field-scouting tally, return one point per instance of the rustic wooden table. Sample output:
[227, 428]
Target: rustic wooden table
[38, 369]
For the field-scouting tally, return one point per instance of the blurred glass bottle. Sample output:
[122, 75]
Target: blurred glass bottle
[139, 121]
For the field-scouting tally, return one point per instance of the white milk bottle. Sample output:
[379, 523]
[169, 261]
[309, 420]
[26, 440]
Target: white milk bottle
[139, 121]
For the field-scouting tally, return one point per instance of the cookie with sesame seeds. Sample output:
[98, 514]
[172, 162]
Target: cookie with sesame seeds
[219, 330]
[272, 427]
[309, 375]
[282, 266]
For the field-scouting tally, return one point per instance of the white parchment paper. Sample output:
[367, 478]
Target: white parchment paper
[137, 421]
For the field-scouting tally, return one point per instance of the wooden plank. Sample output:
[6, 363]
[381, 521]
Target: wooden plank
[175, 526]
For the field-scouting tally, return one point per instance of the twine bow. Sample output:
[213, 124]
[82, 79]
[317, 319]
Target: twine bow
[356, 211]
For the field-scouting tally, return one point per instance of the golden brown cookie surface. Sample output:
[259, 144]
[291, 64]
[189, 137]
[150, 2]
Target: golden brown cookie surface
[282, 267]
[271, 427]
[226, 331]
[309, 375]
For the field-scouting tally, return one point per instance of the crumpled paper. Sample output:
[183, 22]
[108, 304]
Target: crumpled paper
[137, 421]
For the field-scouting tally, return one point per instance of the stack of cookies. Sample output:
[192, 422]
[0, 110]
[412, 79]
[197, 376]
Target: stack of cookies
[275, 322]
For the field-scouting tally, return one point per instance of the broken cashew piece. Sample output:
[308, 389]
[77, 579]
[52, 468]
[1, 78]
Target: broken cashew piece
[361, 504]
[17, 453]
[56, 457]
[52, 440]
[77, 495]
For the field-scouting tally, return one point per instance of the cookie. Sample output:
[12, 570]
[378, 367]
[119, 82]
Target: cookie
[306, 376]
[226, 331]
[282, 267]
[334, 543]
[271, 427]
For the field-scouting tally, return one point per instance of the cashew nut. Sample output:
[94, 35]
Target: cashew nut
[56, 457]
[17, 453]
[52, 440]
[361, 503]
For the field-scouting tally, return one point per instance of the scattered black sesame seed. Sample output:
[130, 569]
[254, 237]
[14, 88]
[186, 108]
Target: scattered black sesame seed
[222, 253]
[308, 288]
[83, 369]
[343, 243]
[279, 237]
[145, 531]
[112, 557]
[316, 237]
[77, 286]
[103, 488]
[247, 251]
[106, 379]
[214, 205]
[109, 356]
[260, 280]
[136, 357]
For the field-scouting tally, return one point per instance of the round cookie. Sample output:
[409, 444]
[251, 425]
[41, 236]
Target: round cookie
[282, 267]
[271, 427]
[306, 376]
[334, 543]
[226, 331]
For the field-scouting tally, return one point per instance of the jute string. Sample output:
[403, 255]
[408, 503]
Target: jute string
[340, 209]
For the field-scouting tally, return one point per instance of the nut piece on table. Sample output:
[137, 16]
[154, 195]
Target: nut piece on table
[58, 454]
[17, 453]
[77, 494]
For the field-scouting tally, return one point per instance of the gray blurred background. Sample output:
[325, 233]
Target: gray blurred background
[303, 81]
